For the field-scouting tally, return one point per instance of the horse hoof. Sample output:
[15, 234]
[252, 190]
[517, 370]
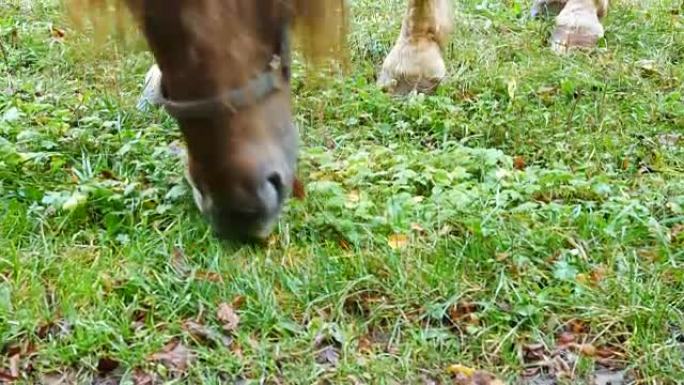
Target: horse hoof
[564, 40]
[576, 29]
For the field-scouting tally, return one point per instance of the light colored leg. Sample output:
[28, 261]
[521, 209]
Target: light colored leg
[415, 62]
[151, 94]
[578, 25]
[547, 7]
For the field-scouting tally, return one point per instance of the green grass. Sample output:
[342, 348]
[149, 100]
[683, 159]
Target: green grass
[95, 215]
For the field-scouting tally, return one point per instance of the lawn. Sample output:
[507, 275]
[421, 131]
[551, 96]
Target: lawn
[527, 220]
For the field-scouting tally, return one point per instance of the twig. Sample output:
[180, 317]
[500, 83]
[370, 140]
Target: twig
[5, 56]
[571, 115]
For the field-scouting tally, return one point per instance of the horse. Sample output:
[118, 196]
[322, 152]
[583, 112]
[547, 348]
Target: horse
[223, 71]
[415, 62]
[226, 73]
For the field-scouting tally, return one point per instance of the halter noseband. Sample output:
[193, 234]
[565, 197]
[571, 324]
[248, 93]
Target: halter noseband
[274, 78]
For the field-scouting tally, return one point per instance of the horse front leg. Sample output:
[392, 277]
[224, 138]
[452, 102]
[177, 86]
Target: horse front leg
[416, 61]
[578, 25]
[547, 7]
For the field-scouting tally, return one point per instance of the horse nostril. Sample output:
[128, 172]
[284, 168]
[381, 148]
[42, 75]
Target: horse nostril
[277, 182]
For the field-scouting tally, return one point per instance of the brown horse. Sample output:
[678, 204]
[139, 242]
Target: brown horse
[225, 66]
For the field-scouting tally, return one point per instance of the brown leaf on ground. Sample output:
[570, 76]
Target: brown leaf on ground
[344, 244]
[14, 365]
[227, 315]
[210, 276]
[598, 274]
[7, 377]
[298, 189]
[66, 378]
[179, 262]
[238, 302]
[519, 163]
[142, 378]
[534, 353]
[464, 313]
[174, 356]
[587, 350]
[365, 345]
[578, 327]
[206, 335]
[106, 365]
[107, 174]
[327, 344]
[566, 338]
[328, 355]
[54, 329]
[57, 33]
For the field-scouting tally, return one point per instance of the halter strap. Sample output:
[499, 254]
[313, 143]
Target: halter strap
[273, 79]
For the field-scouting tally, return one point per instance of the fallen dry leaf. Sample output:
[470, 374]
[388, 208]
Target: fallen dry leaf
[228, 317]
[54, 329]
[464, 313]
[588, 350]
[365, 345]
[566, 338]
[174, 356]
[327, 344]
[7, 377]
[179, 262]
[238, 302]
[142, 378]
[576, 326]
[205, 334]
[460, 369]
[328, 355]
[397, 241]
[106, 365]
[107, 174]
[344, 244]
[14, 365]
[67, 378]
[418, 228]
[298, 189]
[609, 377]
[534, 353]
[464, 375]
[57, 33]
[210, 276]
[519, 163]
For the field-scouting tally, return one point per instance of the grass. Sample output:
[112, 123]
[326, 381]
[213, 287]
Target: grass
[531, 193]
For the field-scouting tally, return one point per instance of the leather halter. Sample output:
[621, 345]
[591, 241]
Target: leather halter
[274, 78]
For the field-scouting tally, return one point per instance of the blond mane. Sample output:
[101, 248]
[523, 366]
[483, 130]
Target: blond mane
[320, 26]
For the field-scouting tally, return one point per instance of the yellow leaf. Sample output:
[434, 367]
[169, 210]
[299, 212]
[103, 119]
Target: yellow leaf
[354, 196]
[397, 241]
[512, 87]
[460, 369]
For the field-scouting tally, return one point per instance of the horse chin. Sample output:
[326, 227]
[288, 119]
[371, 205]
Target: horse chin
[259, 231]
